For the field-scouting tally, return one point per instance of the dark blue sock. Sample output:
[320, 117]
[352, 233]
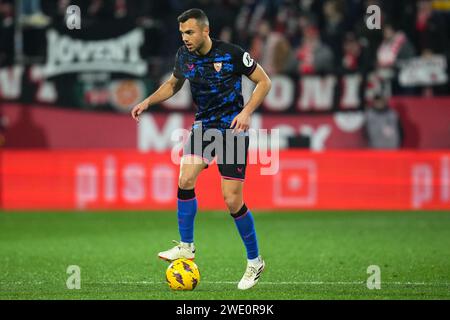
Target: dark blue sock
[246, 227]
[187, 208]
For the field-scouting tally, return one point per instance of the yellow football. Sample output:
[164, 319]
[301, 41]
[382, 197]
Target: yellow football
[182, 274]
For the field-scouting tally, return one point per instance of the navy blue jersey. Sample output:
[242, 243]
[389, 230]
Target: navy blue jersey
[216, 81]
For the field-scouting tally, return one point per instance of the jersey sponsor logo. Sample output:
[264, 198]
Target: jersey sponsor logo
[247, 60]
[218, 66]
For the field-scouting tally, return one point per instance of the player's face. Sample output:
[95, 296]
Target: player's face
[193, 34]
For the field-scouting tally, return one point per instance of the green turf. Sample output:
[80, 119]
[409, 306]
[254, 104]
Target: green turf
[312, 255]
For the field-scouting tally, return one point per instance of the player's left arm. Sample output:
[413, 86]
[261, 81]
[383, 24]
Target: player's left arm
[242, 121]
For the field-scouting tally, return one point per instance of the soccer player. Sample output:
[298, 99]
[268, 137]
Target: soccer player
[214, 69]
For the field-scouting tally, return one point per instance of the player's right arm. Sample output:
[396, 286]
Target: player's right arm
[164, 92]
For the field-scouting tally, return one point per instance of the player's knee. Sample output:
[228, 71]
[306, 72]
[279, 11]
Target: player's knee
[186, 182]
[233, 201]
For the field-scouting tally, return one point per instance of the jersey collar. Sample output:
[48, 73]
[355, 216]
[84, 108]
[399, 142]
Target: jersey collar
[213, 46]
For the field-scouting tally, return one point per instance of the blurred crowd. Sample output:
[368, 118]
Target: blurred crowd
[304, 36]
[294, 37]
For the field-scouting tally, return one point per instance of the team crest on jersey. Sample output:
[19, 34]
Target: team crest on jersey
[218, 66]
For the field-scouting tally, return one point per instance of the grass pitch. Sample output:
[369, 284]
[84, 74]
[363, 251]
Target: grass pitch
[309, 255]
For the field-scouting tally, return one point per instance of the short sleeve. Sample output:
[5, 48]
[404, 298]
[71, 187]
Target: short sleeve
[244, 63]
[177, 72]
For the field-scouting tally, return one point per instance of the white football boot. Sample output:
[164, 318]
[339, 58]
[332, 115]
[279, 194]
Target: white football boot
[181, 250]
[252, 274]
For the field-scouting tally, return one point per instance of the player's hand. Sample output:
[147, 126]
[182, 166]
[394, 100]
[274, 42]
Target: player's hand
[138, 109]
[241, 122]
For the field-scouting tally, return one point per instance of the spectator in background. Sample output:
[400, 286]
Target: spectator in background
[222, 15]
[270, 48]
[287, 20]
[6, 32]
[383, 128]
[32, 14]
[56, 10]
[370, 39]
[6, 13]
[334, 26]
[226, 34]
[313, 56]
[394, 47]
[246, 23]
[101, 9]
[353, 55]
[431, 29]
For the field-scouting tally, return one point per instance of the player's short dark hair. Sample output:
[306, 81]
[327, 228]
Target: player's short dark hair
[196, 14]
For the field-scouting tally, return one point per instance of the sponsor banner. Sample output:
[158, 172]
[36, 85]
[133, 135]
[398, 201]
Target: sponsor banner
[94, 67]
[130, 180]
[78, 78]
[29, 126]
[76, 55]
[424, 71]
[103, 67]
[115, 90]
[425, 123]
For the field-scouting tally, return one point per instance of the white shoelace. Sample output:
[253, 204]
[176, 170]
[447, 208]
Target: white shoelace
[181, 246]
[251, 271]
[177, 243]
